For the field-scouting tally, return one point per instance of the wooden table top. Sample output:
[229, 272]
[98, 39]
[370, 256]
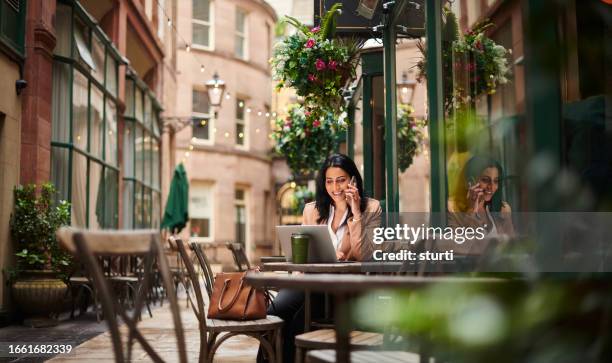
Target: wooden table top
[356, 283]
[339, 267]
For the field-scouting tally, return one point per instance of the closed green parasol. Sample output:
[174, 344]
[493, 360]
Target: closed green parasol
[176, 214]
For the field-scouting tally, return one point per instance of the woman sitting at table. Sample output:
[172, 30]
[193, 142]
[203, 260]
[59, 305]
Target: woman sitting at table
[350, 217]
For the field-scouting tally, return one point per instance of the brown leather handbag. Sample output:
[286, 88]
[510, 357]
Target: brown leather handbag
[233, 299]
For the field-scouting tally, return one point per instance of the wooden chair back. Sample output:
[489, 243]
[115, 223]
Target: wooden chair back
[242, 262]
[209, 277]
[89, 246]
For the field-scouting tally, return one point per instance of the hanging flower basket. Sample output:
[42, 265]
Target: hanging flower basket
[410, 136]
[314, 63]
[306, 137]
[473, 64]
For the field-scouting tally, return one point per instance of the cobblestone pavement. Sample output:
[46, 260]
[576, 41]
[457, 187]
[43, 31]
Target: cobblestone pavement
[94, 344]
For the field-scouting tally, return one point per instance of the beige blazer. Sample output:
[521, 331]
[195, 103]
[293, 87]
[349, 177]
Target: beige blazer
[356, 244]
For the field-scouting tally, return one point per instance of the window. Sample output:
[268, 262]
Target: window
[84, 150]
[141, 150]
[201, 210]
[241, 219]
[200, 108]
[241, 131]
[240, 37]
[201, 23]
[12, 29]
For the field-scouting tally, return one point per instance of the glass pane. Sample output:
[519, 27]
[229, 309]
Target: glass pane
[147, 159]
[111, 198]
[111, 132]
[129, 98]
[128, 204]
[128, 150]
[138, 206]
[111, 75]
[240, 224]
[240, 21]
[240, 134]
[201, 10]
[147, 111]
[96, 196]
[155, 164]
[240, 109]
[79, 190]
[239, 46]
[148, 205]
[139, 109]
[156, 123]
[97, 48]
[200, 102]
[79, 110]
[239, 194]
[60, 167]
[140, 153]
[200, 128]
[81, 45]
[63, 24]
[200, 227]
[156, 217]
[97, 121]
[60, 127]
[200, 34]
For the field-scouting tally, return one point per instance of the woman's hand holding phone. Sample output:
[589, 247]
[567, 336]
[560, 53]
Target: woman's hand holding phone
[475, 195]
[352, 198]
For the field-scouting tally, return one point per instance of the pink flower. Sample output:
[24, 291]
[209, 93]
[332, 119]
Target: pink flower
[307, 113]
[320, 65]
[316, 123]
[310, 43]
[332, 64]
[315, 29]
[312, 77]
[288, 123]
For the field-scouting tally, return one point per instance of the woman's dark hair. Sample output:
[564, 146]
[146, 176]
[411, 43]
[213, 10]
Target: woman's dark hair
[472, 171]
[322, 199]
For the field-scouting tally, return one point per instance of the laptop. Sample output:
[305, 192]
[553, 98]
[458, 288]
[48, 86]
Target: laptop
[320, 248]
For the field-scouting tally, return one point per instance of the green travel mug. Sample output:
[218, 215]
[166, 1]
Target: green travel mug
[299, 247]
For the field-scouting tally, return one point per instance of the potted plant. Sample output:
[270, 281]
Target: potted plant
[38, 280]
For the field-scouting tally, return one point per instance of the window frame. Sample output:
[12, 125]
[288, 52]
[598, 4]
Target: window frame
[147, 188]
[211, 28]
[73, 64]
[212, 192]
[243, 122]
[244, 35]
[15, 47]
[241, 203]
[209, 119]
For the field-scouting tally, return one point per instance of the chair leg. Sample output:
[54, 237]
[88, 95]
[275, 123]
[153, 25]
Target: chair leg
[299, 355]
[279, 345]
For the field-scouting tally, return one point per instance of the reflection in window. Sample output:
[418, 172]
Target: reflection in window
[240, 34]
[240, 215]
[201, 210]
[201, 23]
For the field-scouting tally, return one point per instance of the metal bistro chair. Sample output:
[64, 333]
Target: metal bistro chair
[242, 262]
[89, 246]
[267, 331]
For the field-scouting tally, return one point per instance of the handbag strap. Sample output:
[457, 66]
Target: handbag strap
[228, 306]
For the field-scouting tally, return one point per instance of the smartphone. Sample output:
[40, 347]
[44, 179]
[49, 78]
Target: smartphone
[353, 182]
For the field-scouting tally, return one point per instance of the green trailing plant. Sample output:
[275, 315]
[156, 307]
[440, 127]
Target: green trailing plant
[301, 196]
[410, 136]
[305, 137]
[33, 224]
[472, 63]
[315, 63]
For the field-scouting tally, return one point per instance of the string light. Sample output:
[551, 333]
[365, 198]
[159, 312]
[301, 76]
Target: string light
[258, 113]
[248, 110]
[202, 68]
[188, 48]
[169, 22]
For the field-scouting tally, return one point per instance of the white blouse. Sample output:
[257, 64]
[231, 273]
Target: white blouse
[336, 237]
